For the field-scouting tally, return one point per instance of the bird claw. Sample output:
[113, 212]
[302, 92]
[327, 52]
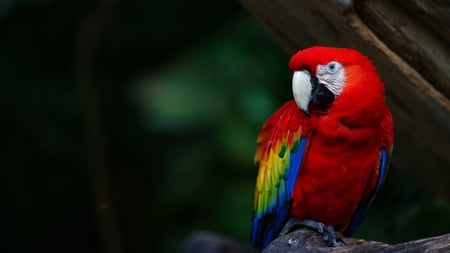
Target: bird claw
[328, 233]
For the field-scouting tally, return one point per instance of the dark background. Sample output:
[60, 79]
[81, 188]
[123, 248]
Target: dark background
[167, 98]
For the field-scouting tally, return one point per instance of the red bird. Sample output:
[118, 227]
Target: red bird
[323, 156]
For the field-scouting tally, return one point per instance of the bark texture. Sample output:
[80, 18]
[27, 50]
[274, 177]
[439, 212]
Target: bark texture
[308, 241]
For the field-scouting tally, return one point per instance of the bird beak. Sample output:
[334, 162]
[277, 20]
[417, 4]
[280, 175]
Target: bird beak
[301, 89]
[307, 89]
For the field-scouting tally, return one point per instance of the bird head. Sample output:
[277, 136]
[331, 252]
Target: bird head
[321, 75]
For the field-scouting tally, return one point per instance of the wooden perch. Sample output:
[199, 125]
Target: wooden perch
[408, 42]
[308, 241]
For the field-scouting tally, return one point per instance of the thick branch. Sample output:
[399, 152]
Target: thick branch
[307, 241]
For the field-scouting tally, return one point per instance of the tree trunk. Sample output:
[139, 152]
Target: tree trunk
[408, 41]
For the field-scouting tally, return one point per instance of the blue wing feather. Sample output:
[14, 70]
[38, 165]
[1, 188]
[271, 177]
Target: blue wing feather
[294, 166]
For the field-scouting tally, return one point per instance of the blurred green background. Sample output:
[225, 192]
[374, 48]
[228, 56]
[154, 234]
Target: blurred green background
[180, 90]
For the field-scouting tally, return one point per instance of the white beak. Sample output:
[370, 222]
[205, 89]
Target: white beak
[301, 88]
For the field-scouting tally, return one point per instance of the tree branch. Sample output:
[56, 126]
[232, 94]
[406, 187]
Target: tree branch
[91, 30]
[307, 241]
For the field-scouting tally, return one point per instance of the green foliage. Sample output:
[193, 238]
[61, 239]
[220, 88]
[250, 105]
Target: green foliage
[221, 89]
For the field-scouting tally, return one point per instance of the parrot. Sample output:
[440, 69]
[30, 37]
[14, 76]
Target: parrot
[323, 155]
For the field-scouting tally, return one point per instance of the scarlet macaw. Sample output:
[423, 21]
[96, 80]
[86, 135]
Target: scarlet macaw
[323, 156]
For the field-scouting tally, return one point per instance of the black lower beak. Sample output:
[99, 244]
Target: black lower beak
[321, 96]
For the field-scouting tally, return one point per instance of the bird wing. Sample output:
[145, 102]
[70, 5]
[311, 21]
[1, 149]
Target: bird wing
[386, 147]
[279, 154]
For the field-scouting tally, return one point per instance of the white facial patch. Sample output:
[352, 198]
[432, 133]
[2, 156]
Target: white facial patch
[301, 88]
[332, 75]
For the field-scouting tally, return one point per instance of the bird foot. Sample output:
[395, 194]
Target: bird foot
[328, 233]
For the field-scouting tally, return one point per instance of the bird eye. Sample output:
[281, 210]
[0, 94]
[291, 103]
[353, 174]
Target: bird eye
[333, 67]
